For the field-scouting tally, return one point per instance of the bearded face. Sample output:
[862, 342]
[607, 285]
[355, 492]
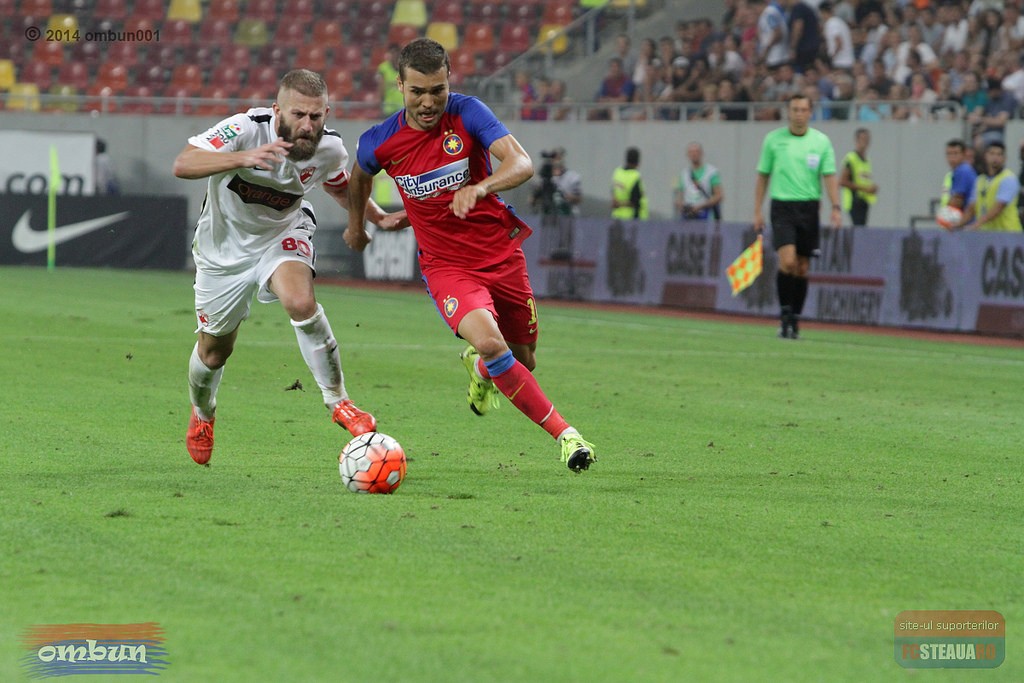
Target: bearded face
[300, 121]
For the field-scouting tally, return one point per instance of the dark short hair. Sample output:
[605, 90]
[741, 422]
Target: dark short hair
[304, 82]
[995, 143]
[958, 143]
[633, 156]
[423, 55]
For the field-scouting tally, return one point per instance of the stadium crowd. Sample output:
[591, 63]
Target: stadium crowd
[862, 60]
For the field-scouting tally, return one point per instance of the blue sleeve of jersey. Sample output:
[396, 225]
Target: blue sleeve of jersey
[478, 119]
[366, 148]
[962, 183]
[1008, 189]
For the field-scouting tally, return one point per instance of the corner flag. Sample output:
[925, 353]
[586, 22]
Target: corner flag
[747, 266]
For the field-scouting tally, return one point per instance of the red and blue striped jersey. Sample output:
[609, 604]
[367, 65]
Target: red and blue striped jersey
[429, 166]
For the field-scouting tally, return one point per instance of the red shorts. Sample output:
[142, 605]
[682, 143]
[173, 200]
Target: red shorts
[503, 289]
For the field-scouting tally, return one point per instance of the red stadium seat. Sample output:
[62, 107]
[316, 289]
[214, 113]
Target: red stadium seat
[36, 8]
[301, 9]
[402, 34]
[126, 53]
[141, 100]
[276, 57]
[262, 9]
[216, 31]
[101, 98]
[115, 10]
[75, 74]
[177, 32]
[223, 9]
[559, 12]
[291, 32]
[162, 55]
[113, 76]
[141, 25]
[236, 55]
[87, 52]
[463, 62]
[312, 57]
[479, 38]
[515, 38]
[349, 56]
[48, 52]
[448, 10]
[39, 73]
[263, 78]
[8, 8]
[206, 56]
[220, 109]
[328, 33]
[153, 77]
[187, 76]
[340, 84]
[180, 100]
[226, 77]
[154, 10]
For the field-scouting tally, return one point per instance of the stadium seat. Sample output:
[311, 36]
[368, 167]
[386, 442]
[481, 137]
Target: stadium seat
[227, 78]
[483, 13]
[8, 76]
[291, 32]
[165, 56]
[447, 10]
[125, 52]
[63, 98]
[301, 9]
[445, 33]
[115, 10]
[334, 10]
[263, 78]
[220, 109]
[236, 55]
[312, 57]
[558, 12]
[178, 100]
[63, 27]
[8, 8]
[515, 38]
[48, 52]
[251, 33]
[327, 33]
[87, 52]
[479, 38]
[523, 14]
[75, 74]
[140, 100]
[349, 56]
[206, 56]
[463, 62]
[152, 76]
[410, 13]
[262, 9]
[185, 10]
[276, 57]
[177, 32]
[36, 8]
[38, 73]
[559, 42]
[223, 9]
[140, 25]
[101, 98]
[373, 11]
[114, 76]
[215, 31]
[340, 84]
[188, 76]
[402, 34]
[148, 9]
[365, 106]
[23, 97]
[366, 35]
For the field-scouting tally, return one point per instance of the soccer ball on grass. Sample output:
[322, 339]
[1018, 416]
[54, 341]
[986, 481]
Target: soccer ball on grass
[372, 463]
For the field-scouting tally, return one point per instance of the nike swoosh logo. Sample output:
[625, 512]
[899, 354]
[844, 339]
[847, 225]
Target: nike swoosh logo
[28, 241]
[393, 162]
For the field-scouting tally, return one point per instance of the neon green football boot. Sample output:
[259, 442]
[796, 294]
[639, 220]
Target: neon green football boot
[482, 394]
[577, 453]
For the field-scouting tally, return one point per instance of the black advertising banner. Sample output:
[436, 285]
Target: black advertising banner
[124, 231]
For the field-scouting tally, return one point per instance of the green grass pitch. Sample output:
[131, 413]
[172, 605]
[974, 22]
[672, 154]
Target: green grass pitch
[760, 510]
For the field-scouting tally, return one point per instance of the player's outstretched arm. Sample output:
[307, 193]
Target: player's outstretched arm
[193, 162]
[359, 187]
[515, 168]
[373, 212]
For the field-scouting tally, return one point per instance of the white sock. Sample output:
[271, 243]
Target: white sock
[568, 431]
[320, 351]
[202, 385]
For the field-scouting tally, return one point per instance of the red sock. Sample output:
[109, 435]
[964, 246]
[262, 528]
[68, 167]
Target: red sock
[521, 387]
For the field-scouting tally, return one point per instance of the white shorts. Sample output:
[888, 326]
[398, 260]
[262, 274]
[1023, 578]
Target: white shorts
[224, 301]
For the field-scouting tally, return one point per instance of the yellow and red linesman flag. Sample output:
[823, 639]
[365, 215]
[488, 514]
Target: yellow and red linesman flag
[747, 266]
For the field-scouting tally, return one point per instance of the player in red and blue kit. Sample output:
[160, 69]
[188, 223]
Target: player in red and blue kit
[438, 151]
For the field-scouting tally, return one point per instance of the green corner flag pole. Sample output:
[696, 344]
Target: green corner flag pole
[51, 210]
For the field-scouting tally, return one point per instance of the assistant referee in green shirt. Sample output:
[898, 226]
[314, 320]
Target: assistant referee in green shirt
[795, 160]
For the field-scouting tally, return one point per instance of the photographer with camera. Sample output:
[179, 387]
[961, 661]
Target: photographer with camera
[560, 190]
[698, 194]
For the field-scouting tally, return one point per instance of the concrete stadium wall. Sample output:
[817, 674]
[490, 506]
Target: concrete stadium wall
[908, 158]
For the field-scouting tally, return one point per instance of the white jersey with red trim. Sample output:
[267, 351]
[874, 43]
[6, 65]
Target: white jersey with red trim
[247, 209]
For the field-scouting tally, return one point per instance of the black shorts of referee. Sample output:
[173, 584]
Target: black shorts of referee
[796, 223]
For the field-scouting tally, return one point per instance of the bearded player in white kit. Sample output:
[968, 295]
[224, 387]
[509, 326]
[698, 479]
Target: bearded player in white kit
[254, 238]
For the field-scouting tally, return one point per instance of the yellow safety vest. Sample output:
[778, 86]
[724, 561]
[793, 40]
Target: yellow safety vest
[623, 181]
[860, 173]
[985, 191]
[947, 186]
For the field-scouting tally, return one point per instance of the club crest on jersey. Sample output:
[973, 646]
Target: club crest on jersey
[306, 173]
[452, 144]
[449, 177]
[451, 304]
